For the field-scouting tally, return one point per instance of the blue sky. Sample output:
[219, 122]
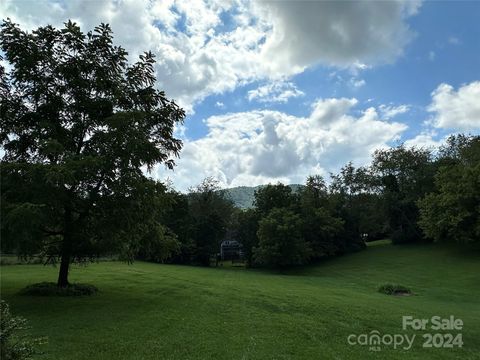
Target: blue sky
[276, 91]
[445, 48]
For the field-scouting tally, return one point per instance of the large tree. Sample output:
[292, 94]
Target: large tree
[280, 240]
[271, 196]
[321, 230]
[350, 200]
[245, 227]
[79, 124]
[404, 176]
[210, 216]
[452, 211]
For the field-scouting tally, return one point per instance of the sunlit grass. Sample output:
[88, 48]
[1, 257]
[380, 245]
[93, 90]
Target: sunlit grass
[150, 311]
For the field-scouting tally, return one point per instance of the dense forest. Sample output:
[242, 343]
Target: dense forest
[406, 194]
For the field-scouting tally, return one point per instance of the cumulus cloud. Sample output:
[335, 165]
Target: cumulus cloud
[210, 47]
[277, 91]
[334, 32]
[194, 58]
[251, 148]
[456, 109]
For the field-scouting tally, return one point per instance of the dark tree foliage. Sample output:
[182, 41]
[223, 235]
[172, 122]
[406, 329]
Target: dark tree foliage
[350, 198]
[404, 176]
[321, 230]
[281, 243]
[452, 211]
[210, 213]
[456, 148]
[292, 229]
[78, 125]
[245, 228]
[193, 226]
[179, 220]
[274, 196]
[315, 192]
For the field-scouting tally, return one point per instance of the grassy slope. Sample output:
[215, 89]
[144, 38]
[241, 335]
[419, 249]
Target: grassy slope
[148, 311]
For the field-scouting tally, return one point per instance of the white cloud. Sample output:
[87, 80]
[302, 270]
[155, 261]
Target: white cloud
[199, 54]
[390, 111]
[339, 33]
[251, 148]
[431, 55]
[357, 83]
[425, 140]
[277, 91]
[220, 105]
[459, 109]
[194, 60]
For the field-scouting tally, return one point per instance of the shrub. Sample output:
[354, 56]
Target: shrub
[51, 289]
[13, 344]
[394, 289]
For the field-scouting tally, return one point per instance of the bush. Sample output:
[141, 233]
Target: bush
[13, 344]
[394, 289]
[51, 289]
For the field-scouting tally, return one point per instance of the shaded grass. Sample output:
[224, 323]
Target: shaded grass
[150, 311]
[51, 289]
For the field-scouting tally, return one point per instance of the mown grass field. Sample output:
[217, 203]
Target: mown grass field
[150, 311]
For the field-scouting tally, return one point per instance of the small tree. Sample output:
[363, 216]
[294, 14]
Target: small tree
[281, 243]
[78, 125]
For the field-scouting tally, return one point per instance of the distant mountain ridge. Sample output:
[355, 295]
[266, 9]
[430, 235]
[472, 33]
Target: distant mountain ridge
[243, 196]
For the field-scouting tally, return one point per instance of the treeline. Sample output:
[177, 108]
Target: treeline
[406, 194]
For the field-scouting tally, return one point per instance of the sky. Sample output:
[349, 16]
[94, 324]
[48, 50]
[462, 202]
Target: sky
[279, 90]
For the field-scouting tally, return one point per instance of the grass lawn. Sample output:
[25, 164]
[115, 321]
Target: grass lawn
[150, 311]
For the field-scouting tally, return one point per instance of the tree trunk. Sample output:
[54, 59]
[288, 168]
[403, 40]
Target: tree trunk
[65, 262]
[63, 273]
[66, 251]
